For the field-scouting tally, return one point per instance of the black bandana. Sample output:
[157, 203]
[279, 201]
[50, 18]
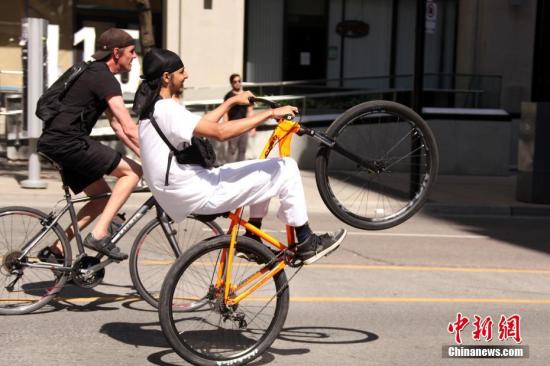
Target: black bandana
[155, 63]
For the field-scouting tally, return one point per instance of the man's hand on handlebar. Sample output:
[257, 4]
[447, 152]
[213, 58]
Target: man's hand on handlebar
[284, 112]
[243, 98]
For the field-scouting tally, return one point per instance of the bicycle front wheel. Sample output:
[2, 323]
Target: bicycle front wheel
[24, 288]
[381, 168]
[152, 255]
[194, 317]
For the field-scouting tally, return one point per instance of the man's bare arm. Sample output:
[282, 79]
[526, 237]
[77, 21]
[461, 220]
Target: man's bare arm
[122, 123]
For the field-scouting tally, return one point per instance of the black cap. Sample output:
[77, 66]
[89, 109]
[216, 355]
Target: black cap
[109, 40]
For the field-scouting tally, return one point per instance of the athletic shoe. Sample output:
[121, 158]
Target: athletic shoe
[317, 246]
[104, 246]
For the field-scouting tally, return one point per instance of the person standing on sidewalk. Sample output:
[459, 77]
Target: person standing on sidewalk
[66, 139]
[236, 147]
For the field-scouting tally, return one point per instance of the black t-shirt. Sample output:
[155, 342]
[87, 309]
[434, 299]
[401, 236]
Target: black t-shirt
[88, 94]
[237, 111]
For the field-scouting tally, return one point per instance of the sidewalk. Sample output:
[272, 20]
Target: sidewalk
[479, 195]
[452, 195]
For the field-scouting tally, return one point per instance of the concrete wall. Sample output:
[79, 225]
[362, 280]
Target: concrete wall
[497, 37]
[265, 41]
[209, 41]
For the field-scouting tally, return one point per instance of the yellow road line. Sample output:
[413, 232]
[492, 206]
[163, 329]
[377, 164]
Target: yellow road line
[421, 300]
[372, 267]
[337, 299]
[429, 268]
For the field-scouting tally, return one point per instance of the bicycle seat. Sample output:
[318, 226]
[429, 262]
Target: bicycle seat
[55, 164]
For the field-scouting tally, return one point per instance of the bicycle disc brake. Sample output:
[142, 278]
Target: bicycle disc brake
[82, 277]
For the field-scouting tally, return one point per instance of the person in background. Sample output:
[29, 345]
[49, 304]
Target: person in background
[236, 147]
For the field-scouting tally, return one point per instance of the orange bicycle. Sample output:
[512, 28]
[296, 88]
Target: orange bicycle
[225, 300]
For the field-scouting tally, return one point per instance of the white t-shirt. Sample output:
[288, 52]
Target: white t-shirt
[189, 186]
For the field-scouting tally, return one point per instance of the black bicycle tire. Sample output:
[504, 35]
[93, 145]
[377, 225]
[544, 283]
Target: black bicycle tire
[60, 233]
[165, 305]
[133, 262]
[321, 162]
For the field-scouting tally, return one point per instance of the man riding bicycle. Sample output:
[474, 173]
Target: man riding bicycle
[66, 139]
[190, 183]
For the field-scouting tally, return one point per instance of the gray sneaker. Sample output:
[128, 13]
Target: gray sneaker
[317, 246]
[104, 246]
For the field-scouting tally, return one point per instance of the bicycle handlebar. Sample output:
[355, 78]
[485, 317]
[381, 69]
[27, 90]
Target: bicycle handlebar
[270, 103]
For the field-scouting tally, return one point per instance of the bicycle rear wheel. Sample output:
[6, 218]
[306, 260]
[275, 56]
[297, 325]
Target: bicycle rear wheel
[152, 255]
[195, 320]
[404, 163]
[24, 289]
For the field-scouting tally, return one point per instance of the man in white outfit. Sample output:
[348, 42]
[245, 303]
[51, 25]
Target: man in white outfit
[190, 184]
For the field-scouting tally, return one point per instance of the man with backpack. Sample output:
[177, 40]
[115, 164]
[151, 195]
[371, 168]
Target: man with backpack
[92, 89]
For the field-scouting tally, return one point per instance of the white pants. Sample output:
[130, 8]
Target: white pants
[253, 183]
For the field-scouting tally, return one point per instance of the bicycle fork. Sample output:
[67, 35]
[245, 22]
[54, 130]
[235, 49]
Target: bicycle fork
[373, 166]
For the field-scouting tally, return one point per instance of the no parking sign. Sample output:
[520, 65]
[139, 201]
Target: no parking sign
[431, 16]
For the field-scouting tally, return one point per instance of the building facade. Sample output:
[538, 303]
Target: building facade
[486, 46]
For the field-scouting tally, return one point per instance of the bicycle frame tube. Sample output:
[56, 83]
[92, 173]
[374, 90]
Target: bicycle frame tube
[168, 230]
[43, 232]
[283, 136]
[234, 229]
[255, 281]
[128, 224]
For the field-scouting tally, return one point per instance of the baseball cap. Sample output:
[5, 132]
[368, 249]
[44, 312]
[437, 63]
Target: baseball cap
[110, 39]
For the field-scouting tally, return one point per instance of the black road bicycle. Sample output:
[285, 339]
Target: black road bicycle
[28, 282]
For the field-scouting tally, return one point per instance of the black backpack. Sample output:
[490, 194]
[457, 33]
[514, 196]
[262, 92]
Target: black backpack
[49, 104]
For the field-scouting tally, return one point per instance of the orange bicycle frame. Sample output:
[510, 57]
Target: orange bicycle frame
[282, 135]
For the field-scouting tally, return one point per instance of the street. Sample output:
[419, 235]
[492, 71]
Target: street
[383, 298]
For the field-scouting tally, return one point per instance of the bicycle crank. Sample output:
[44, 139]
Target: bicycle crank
[84, 275]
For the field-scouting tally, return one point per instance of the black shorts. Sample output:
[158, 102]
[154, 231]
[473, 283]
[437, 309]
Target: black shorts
[84, 161]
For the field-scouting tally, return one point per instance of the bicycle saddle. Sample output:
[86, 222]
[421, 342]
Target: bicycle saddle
[55, 164]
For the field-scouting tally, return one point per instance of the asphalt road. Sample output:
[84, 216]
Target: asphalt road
[384, 298]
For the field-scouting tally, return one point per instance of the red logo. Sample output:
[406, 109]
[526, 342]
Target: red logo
[457, 326]
[508, 327]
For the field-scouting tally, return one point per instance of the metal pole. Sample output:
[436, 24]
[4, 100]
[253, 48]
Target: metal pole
[342, 45]
[418, 86]
[36, 32]
[418, 81]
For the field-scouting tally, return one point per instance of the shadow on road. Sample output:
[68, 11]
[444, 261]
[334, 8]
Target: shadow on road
[515, 234]
[149, 335]
[70, 293]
